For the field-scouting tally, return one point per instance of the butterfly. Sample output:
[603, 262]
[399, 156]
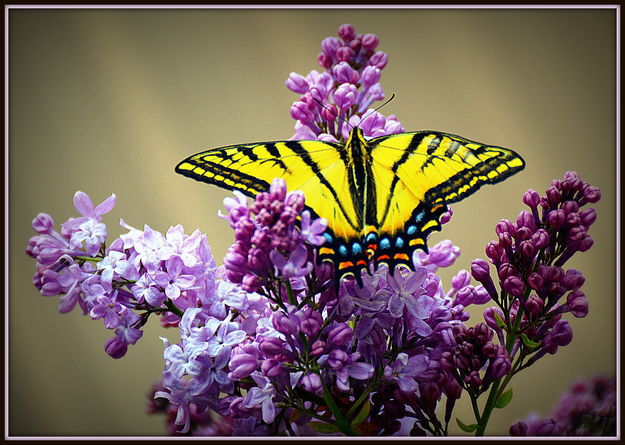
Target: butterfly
[381, 197]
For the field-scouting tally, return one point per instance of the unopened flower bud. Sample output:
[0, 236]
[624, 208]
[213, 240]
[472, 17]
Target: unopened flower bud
[297, 83]
[556, 218]
[347, 32]
[592, 194]
[573, 279]
[514, 286]
[588, 216]
[379, 59]
[329, 46]
[324, 61]
[527, 249]
[115, 347]
[343, 55]
[271, 368]
[312, 383]
[534, 305]
[505, 226]
[506, 270]
[540, 239]
[577, 303]
[531, 198]
[553, 195]
[43, 224]
[340, 335]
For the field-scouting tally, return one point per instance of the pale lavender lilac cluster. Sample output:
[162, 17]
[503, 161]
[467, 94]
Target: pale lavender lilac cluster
[587, 409]
[338, 99]
[140, 273]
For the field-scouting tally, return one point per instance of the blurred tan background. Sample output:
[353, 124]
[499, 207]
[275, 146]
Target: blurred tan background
[108, 101]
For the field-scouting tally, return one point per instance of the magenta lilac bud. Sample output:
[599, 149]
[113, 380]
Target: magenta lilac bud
[514, 286]
[527, 250]
[588, 216]
[573, 279]
[505, 226]
[370, 41]
[526, 219]
[531, 198]
[115, 347]
[553, 195]
[379, 59]
[534, 305]
[340, 335]
[347, 32]
[540, 239]
[577, 304]
[592, 194]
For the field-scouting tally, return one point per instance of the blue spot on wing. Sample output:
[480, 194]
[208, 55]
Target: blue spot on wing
[356, 249]
[385, 243]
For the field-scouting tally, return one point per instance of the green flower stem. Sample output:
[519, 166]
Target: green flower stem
[494, 390]
[173, 308]
[340, 420]
[476, 409]
[88, 258]
[289, 291]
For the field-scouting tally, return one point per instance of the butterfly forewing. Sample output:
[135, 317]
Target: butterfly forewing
[314, 167]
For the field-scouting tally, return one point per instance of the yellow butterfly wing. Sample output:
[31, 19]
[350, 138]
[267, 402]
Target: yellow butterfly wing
[417, 174]
[314, 167]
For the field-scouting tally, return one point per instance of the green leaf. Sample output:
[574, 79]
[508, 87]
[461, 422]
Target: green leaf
[499, 320]
[466, 428]
[504, 399]
[529, 343]
[324, 428]
[362, 414]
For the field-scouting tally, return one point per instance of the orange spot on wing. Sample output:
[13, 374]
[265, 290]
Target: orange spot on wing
[345, 265]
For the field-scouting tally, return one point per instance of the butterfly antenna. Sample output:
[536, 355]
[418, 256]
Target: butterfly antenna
[373, 111]
[338, 115]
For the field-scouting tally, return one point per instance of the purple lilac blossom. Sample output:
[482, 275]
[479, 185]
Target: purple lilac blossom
[528, 258]
[124, 284]
[338, 99]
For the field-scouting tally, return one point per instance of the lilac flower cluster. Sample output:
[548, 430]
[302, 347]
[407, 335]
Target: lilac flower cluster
[140, 273]
[528, 257]
[587, 409]
[333, 102]
[265, 234]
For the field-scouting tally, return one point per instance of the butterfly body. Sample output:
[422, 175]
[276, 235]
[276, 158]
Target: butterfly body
[381, 197]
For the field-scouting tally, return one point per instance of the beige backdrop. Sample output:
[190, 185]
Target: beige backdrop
[108, 101]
